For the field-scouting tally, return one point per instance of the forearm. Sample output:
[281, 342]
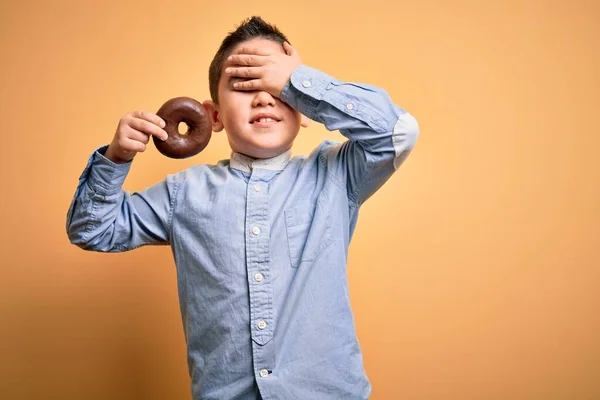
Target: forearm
[380, 133]
[104, 217]
[363, 113]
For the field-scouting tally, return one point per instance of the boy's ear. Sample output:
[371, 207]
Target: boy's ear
[304, 120]
[213, 112]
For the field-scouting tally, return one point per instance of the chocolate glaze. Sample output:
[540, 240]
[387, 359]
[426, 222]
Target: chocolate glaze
[190, 111]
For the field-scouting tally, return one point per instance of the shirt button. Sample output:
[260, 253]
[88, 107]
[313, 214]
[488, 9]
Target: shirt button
[263, 373]
[256, 230]
[258, 277]
[306, 83]
[262, 324]
[350, 106]
[256, 187]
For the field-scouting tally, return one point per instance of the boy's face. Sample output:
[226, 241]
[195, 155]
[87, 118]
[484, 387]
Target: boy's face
[238, 110]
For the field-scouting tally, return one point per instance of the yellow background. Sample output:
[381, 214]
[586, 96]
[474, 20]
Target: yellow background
[474, 272]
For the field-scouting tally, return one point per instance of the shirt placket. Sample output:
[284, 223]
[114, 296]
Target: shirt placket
[259, 275]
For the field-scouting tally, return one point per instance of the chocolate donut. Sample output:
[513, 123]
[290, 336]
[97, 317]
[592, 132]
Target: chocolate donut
[190, 111]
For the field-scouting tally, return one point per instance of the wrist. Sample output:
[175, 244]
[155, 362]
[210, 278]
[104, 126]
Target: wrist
[112, 155]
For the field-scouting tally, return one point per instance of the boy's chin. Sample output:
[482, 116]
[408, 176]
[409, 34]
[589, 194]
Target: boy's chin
[264, 151]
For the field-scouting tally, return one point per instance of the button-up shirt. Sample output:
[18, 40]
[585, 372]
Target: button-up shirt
[260, 246]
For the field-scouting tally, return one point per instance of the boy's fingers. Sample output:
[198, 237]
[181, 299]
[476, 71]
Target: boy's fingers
[139, 136]
[136, 145]
[148, 128]
[243, 72]
[253, 84]
[150, 117]
[244, 59]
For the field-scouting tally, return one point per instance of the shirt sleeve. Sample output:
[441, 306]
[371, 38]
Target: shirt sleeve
[104, 217]
[381, 134]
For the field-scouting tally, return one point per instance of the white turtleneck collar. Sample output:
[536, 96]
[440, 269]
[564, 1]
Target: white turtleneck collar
[246, 163]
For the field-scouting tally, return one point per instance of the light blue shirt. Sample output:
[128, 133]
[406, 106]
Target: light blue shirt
[260, 246]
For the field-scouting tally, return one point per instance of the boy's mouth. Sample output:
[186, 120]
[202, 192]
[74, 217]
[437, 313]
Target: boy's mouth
[264, 120]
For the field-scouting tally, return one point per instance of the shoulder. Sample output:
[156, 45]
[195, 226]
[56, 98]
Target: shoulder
[199, 173]
[320, 154]
[320, 163]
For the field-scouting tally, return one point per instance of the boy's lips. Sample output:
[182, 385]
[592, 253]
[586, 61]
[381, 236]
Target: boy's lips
[264, 120]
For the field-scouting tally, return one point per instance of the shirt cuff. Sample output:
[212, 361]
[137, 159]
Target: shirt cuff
[305, 89]
[103, 175]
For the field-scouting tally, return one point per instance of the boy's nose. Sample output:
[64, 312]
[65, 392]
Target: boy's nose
[262, 99]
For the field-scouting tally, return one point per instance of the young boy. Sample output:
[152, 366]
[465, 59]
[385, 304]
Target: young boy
[260, 241]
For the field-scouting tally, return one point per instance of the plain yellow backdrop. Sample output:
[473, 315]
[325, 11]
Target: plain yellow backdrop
[474, 272]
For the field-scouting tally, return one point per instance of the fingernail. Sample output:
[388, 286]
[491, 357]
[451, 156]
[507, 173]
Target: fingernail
[229, 58]
[236, 84]
[162, 124]
[227, 70]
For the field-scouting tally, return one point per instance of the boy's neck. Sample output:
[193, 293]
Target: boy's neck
[246, 163]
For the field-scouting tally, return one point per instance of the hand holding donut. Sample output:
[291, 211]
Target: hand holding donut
[135, 129]
[133, 134]
[192, 113]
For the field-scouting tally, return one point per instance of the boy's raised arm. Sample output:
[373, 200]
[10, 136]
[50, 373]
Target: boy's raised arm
[380, 133]
[104, 217]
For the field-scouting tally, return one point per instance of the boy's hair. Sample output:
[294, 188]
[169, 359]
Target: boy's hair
[250, 28]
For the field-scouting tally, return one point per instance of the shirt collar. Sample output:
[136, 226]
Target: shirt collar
[246, 163]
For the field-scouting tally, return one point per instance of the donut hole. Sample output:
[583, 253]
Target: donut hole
[183, 128]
